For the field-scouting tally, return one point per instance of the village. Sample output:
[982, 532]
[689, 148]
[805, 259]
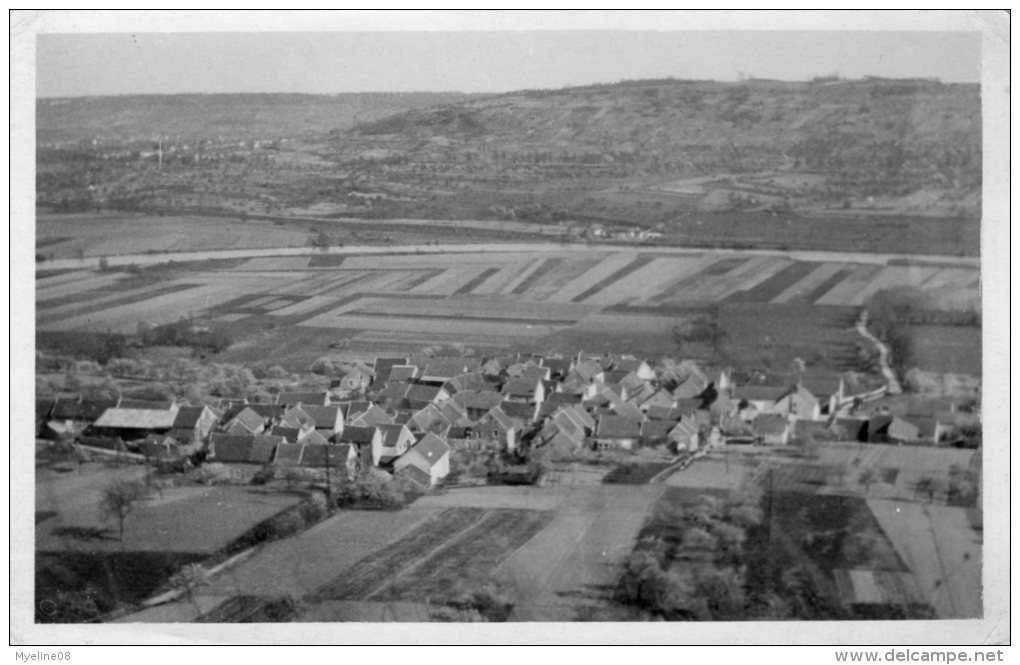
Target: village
[441, 438]
[406, 415]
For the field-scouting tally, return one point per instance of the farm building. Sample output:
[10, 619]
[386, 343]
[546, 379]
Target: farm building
[431, 456]
[440, 370]
[617, 432]
[337, 457]
[892, 429]
[247, 449]
[132, 424]
[161, 447]
[193, 424]
[772, 429]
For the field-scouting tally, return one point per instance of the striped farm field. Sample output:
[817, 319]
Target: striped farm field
[614, 279]
[581, 284]
[491, 308]
[532, 274]
[777, 284]
[91, 282]
[48, 315]
[549, 284]
[848, 289]
[275, 263]
[588, 296]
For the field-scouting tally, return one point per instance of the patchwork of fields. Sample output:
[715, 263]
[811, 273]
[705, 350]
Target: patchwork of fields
[484, 300]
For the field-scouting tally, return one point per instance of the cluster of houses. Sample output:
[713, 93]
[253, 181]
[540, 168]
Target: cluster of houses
[411, 412]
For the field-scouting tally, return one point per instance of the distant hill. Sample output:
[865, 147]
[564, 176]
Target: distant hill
[733, 163]
[230, 116]
[869, 128]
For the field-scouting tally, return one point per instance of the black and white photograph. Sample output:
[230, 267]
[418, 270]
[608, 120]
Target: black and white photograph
[472, 327]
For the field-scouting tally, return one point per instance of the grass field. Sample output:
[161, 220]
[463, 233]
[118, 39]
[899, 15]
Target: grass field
[196, 520]
[947, 349]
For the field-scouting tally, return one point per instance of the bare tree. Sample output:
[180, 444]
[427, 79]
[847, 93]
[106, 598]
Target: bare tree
[190, 578]
[119, 499]
[867, 477]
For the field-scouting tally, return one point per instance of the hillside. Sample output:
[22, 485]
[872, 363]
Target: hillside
[211, 117]
[702, 162]
[821, 142]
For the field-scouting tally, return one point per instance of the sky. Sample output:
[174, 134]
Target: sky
[81, 64]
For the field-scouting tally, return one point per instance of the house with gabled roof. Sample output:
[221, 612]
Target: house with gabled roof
[373, 415]
[263, 448]
[337, 457]
[368, 440]
[830, 391]
[588, 371]
[383, 367]
[246, 421]
[418, 396]
[685, 435]
[654, 432]
[629, 363]
[524, 389]
[402, 374]
[396, 439]
[885, 428]
[798, 402]
[193, 424]
[288, 454]
[245, 449]
[499, 428]
[390, 393]
[439, 370]
[297, 417]
[454, 412]
[493, 367]
[772, 429]
[289, 434]
[329, 420]
[429, 419]
[469, 381]
[315, 438]
[655, 412]
[522, 411]
[558, 367]
[430, 455]
[476, 404]
[615, 431]
[230, 448]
